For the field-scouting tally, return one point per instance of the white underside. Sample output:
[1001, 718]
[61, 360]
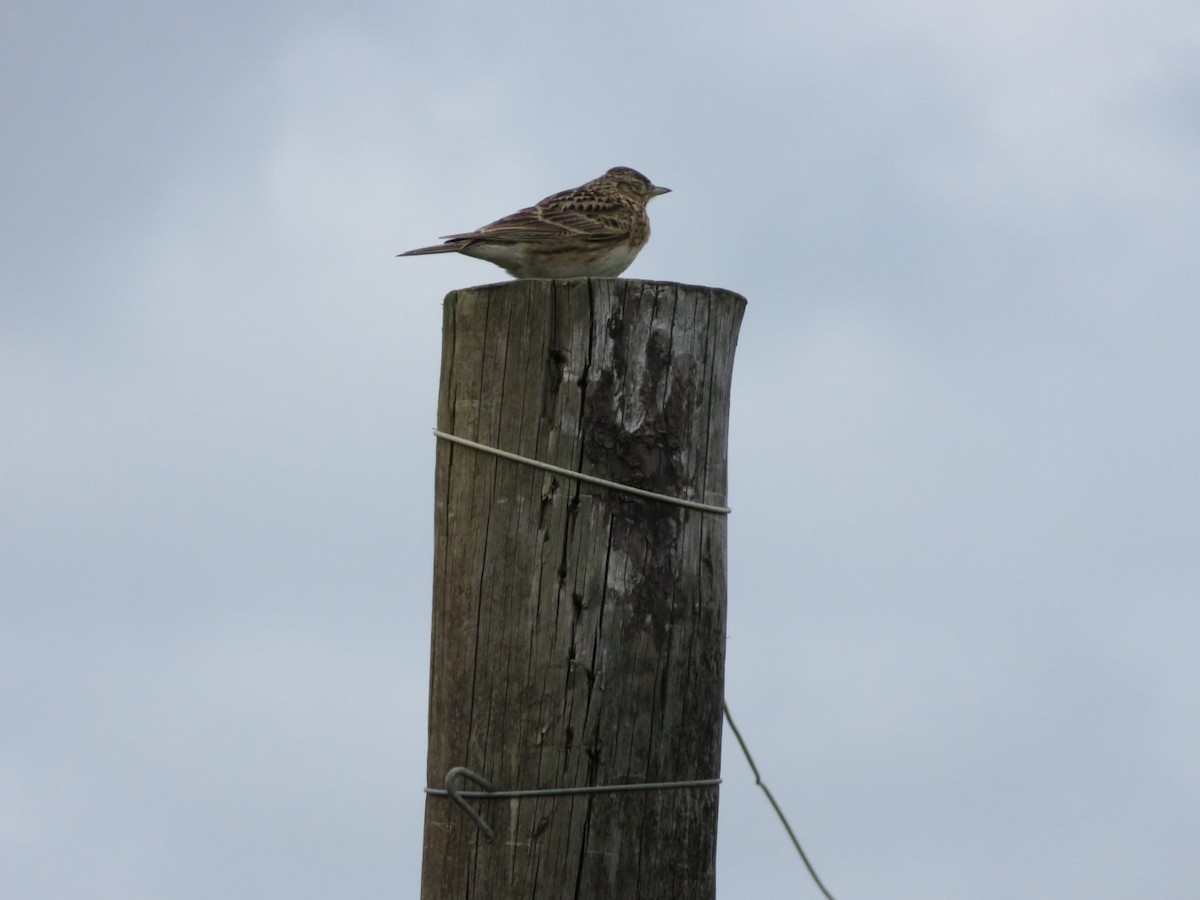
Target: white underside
[523, 260]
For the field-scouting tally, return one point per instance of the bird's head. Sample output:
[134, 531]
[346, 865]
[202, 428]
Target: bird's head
[632, 183]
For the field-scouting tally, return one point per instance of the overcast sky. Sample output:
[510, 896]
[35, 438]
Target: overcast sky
[965, 451]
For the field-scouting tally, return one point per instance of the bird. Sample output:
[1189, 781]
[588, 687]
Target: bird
[595, 230]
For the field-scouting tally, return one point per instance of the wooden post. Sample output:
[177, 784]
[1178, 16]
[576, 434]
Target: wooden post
[578, 630]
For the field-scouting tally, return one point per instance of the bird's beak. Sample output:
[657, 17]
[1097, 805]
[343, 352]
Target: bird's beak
[655, 191]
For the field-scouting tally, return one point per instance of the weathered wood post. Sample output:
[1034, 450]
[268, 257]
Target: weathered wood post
[579, 630]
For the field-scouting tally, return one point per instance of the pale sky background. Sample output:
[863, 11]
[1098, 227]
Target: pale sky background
[965, 455]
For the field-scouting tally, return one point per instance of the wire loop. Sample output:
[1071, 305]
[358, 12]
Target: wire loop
[580, 476]
[490, 792]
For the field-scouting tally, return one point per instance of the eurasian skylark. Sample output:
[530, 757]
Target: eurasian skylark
[594, 230]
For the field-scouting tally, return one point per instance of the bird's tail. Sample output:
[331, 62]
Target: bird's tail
[436, 248]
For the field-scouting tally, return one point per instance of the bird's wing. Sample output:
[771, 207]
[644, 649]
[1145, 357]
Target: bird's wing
[551, 222]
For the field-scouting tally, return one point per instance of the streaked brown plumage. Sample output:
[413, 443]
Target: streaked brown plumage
[594, 230]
